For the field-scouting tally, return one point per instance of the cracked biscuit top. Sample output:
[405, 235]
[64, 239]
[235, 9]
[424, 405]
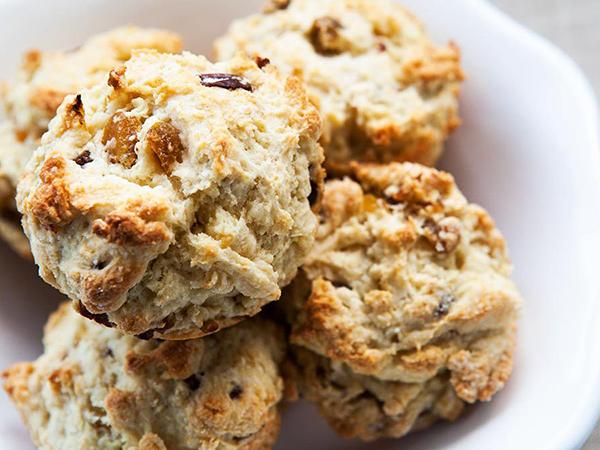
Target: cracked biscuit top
[32, 97]
[384, 90]
[404, 310]
[96, 388]
[174, 198]
[404, 275]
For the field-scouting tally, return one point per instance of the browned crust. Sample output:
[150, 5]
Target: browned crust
[122, 408]
[267, 436]
[116, 78]
[62, 379]
[415, 184]
[151, 441]
[74, 113]
[320, 328]
[127, 228]
[15, 382]
[171, 359]
[474, 379]
[50, 203]
[307, 115]
[354, 411]
[106, 291]
[436, 65]
[209, 327]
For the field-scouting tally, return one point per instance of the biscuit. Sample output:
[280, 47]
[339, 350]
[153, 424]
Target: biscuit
[385, 91]
[31, 99]
[96, 388]
[174, 198]
[407, 288]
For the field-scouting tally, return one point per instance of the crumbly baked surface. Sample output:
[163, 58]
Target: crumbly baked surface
[31, 99]
[385, 91]
[406, 288]
[96, 388]
[174, 198]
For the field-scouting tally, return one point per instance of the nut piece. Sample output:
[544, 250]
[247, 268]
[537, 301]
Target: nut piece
[444, 235]
[164, 141]
[120, 137]
[325, 37]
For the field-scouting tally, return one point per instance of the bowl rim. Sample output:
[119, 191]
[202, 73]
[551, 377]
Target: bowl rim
[576, 432]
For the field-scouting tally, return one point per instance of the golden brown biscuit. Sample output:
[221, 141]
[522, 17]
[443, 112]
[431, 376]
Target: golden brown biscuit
[385, 91]
[96, 388]
[406, 292]
[174, 199]
[31, 99]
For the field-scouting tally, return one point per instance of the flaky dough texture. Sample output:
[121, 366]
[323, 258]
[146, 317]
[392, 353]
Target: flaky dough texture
[32, 97]
[174, 198]
[94, 388]
[385, 91]
[408, 287]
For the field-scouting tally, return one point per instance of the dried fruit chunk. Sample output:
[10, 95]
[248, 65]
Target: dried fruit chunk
[225, 81]
[276, 5]
[164, 141]
[325, 36]
[120, 137]
[262, 62]
[83, 158]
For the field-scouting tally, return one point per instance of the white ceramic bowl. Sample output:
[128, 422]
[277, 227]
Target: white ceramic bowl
[528, 152]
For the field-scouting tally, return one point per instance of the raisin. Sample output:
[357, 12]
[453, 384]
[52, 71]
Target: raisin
[193, 382]
[225, 81]
[236, 392]
[146, 335]
[262, 62]
[108, 352]
[210, 326]
[83, 158]
[164, 141]
[121, 135]
[444, 306]
[102, 319]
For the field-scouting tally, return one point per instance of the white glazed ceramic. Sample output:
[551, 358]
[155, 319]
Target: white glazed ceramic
[528, 152]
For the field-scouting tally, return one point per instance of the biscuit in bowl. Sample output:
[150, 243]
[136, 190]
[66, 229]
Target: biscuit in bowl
[30, 100]
[174, 198]
[96, 388]
[404, 310]
[385, 91]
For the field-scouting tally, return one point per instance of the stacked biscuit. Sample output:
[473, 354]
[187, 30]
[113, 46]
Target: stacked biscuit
[172, 198]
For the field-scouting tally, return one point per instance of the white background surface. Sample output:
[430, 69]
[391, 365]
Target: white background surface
[527, 152]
